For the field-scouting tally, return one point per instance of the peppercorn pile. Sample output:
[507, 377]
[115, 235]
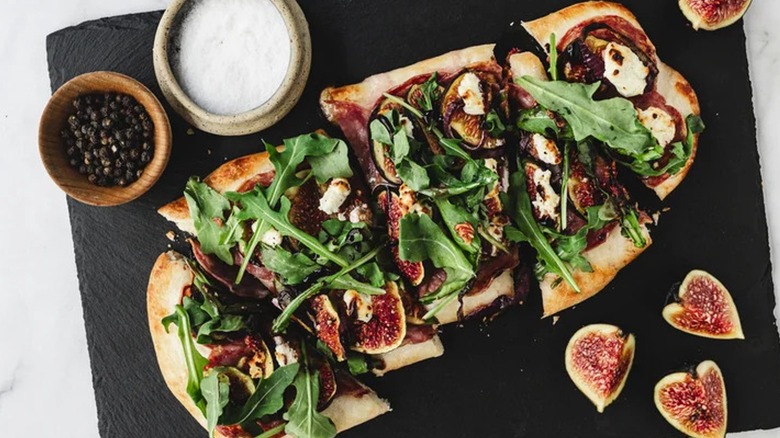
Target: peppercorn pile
[110, 138]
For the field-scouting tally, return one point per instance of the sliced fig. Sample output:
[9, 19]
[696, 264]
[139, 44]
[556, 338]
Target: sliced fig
[386, 329]
[464, 107]
[583, 191]
[713, 14]
[328, 386]
[705, 308]
[598, 360]
[694, 402]
[412, 271]
[327, 324]
[382, 151]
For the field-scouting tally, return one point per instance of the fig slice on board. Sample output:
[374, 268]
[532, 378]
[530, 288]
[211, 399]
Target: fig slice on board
[694, 402]
[704, 308]
[598, 360]
[713, 14]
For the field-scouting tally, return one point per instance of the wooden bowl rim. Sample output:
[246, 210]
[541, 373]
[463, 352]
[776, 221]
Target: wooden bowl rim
[81, 189]
[257, 119]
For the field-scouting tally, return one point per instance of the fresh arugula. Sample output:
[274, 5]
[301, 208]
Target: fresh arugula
[281, 322]
[272, 432]
[215, 388]
[553, 68]
[293, 268]
[286, 163]
[207, 210]
[494, 124]
[357, 364]
[413, 175]
[454, 216]
[268, 397]
[681, 150]
[194, 361]
[421, 239]
[537, 120]
[331, 165]
[429, 94]
[612, 121]
[302, 417]
[631, 227]
[414, 111]
[570, 247]
[564, 183]
[527, 230]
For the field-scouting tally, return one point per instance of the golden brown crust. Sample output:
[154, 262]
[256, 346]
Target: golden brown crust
[367, 93]
[170, 276]
[562, 21]
[230, 176]
[680, 95]
[502, 286]
[526, 64]
[408, 354]
[607, 260]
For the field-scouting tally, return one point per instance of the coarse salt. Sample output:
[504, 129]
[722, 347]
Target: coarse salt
[232, 54]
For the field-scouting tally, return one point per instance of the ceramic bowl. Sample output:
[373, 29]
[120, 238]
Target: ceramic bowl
[262, 117]
[52, 149]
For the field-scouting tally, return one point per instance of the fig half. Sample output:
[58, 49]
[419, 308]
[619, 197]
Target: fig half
[386, 329]
[694, 402]
[598, 360]
[713, 14]
[704, 308]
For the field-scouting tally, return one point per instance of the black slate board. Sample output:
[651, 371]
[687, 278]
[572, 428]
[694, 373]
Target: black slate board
[506, 379]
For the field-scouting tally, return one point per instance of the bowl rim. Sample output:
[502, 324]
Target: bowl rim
[254, 120]
[163, 139]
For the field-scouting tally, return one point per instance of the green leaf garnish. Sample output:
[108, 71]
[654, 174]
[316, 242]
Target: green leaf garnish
[268, 397]
[331, 165]
[553, 68]
[195, 362]
[293, 268]
[302, 417]
[494, 124]
[215, 388]
[207, 210]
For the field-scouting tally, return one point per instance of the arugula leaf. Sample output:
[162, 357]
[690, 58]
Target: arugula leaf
[681, 150]
[293, 268]
[220, 324]
[268, 398]
[564, 183]
[286, 163]
[429, 93]
[207, 210]
[454, 216]
[413, 175]
[331, 165]
[357, 364]
[537, 120]
[570, 247]
[494, 124]
[404, 104]
[452, 147]
[420, 239]
[215, 388]
[281, 321]
[379, 132]
[553, 69]
[372, 273]
[272, 432]
[631, 227]
[347, 282]
[302, 417]
[194, 361]
[400, 145]
[613, 121]
[520, 210]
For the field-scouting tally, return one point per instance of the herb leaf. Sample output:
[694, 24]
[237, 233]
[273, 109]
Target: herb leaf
[413, 175]
[520, 210]
[429, 93]
[302, 417]
[331, 165]
[215, 388]
[421, 239]
[193, 359]
[357, 364]
[293, 268]
[268, 398]
[612, 121]
[553, 69]
[207, 210]
[494, 124]
[537, 120]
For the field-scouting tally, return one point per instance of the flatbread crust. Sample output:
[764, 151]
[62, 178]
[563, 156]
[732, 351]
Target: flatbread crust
[170, 275]
[408, 354]
[607, 259]
[670, 84]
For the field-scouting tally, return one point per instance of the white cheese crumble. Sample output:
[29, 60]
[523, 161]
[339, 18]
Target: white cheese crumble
[337, 192]
[360, 304]
[625, 70]
[660, 123]
[272, 238]
[285, 353]
[545, 149]
[546, 200]
[473, 100]
[407, 125]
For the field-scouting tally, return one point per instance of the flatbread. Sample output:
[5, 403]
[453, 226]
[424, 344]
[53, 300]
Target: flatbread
[351, 106]
[170, 275]
[670, 84]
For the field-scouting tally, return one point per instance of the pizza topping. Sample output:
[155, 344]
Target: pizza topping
[286, 351]
[470, 91]
[544, 198]
[272, 238]
[660, 123]
[545, 149]
[387, 327]
[624, 69]
[337, 192]
[359, 305]
[327, 325]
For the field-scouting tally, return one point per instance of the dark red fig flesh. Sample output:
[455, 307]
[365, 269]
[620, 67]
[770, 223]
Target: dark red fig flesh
[704, 308]
[694, 402]
[713, 14]
[598, 360]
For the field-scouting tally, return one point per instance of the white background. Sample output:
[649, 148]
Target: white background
[45, 379]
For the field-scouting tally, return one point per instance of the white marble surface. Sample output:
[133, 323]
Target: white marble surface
[45, 379]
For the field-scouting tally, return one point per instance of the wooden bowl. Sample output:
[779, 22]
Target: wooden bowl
[52, 150]
[252, 121]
